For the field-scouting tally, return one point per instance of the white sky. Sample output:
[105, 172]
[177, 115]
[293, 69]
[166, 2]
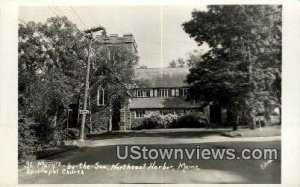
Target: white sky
[157, 30]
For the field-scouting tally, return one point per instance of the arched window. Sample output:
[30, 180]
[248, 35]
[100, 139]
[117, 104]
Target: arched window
[101, 96]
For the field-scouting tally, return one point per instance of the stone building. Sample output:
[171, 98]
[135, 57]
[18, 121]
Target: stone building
[163, 90]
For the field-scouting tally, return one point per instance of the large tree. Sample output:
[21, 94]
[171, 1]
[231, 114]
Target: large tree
[52, 56]
[242, 67]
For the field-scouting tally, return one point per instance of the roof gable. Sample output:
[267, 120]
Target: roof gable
[160, 103]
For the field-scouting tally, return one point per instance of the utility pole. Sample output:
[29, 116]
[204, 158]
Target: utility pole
[87, 79]
[86, 90]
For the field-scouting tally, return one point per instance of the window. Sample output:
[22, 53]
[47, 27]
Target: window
[143, 93]
[173, 92]
[164, 92]
[139, 113]
[155, 92]
[139, 93]
[183, 91]
[177, 92]
[100, 96]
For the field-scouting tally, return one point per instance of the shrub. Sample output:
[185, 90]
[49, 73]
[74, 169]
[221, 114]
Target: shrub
[191, 120]
[156, 120]
[169, 119]
[26, 137]
[152, 121]
[71, 133]
[44, 133]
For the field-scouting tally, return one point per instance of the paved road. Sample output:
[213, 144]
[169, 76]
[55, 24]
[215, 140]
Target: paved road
[102, 149]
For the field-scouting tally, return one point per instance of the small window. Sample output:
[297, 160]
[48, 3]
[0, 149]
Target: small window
[143, 93]
[139, 113]
[101, 96]
[173, 92]
[164, 92]
[139, 93]
[183, 91]
[155, 92]
[176, 92]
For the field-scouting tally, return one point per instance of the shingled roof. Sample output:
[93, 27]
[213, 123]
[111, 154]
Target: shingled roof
[163, 77]
[160, 102]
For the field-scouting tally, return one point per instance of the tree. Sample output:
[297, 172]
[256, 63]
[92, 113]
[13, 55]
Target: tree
[52, 56]
[173, 64]
[244, 57]
[193, 57]
[179, 63]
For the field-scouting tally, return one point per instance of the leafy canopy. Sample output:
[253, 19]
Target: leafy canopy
[244, 53]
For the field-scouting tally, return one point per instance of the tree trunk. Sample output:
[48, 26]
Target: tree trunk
[236, 123]
[252, 121]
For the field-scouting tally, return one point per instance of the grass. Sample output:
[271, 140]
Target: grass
[258, 132]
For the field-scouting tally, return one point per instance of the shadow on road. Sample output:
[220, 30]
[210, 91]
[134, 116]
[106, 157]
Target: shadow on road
[158, 133]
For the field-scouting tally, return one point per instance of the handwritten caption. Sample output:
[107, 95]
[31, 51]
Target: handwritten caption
[57, 168]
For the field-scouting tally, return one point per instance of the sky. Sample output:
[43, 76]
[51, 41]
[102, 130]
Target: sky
[157, 29]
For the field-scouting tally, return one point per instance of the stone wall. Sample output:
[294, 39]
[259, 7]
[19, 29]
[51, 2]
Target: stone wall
[125, 118]
[100, 119]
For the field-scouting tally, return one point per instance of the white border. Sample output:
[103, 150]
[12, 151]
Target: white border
[290, 86]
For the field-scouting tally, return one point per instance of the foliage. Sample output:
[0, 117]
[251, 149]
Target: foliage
[242, 68]
[193, 57]
[154, 120]
[26, 137]
[71, 133]
[190, 120]
[179, 63]
[52, 56]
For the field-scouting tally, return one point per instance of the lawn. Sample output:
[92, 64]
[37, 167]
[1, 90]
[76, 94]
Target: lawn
[258, 132]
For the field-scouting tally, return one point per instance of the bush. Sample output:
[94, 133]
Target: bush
[71, 133]
[26, 137]
[156, 121]
[191, 120]
[169, 119]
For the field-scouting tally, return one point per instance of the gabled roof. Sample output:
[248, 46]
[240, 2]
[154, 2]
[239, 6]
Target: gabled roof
[163, 77]
[161, 102]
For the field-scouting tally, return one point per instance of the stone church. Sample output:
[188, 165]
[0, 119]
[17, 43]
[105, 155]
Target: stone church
[164, 90]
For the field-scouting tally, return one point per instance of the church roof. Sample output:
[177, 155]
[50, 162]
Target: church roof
[163, 77]
[162, 102]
